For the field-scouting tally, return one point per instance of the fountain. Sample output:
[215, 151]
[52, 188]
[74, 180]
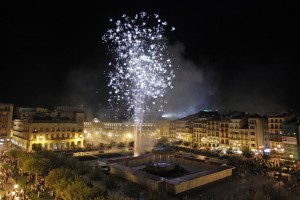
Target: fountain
[163, 163]
[143, 69]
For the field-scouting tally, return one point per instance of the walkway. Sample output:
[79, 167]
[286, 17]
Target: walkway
[9, 186]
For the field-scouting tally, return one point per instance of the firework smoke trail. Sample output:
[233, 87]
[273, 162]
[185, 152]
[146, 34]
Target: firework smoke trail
[143, 70]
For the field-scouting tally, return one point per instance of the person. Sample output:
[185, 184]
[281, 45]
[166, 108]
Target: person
[209, 196]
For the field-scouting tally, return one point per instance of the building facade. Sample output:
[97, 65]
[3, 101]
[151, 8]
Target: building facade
[42, 130]
[6, 117]
[275, 123]
[290, 140]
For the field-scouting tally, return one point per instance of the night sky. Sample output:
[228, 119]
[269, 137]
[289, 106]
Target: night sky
[231, 55]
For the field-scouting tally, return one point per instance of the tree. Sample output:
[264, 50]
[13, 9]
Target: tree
[16, 155]
[58, 179]
[37, 166]
[22, 158]
[101, 145]
[37, 147]
[121, 144]
[112, 143]
[74, 164]
[58, 173]
[89, 146]
[95, 174]
[78, 189]
[60, 186]
[162, 141]
[131, 144]
[185, 143]
[12, 154]
[178, 142]
[52, 156]
[246, 152]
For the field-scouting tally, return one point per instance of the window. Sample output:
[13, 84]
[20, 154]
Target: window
[252, 133]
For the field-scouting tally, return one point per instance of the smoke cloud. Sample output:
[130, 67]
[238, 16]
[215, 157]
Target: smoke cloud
[85, 86]
[194, 85]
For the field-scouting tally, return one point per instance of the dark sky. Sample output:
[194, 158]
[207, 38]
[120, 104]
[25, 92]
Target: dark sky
[233, 55]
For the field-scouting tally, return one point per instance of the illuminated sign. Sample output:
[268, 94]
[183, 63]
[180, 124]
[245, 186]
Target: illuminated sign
[289, 140]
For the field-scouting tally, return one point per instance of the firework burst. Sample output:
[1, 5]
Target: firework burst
[143, 69]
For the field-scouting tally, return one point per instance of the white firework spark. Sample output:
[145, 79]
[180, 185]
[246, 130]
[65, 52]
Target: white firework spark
[143, 69]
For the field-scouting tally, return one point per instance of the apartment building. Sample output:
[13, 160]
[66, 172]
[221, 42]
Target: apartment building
[41, 129]
[6, 116]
